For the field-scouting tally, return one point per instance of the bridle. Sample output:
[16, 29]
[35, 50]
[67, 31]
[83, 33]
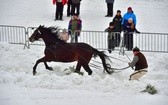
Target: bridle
[39, 31]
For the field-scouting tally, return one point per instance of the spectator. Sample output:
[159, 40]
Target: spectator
[129, 14]
[69, 7]
[75, 26]
[140, 63]
[75, 7]
[111, 37]
[110, 4]
[129, 28]
[64, 35]
[118, 27]
[59, 8]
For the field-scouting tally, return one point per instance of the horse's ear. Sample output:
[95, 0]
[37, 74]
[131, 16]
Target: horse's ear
[39, 26]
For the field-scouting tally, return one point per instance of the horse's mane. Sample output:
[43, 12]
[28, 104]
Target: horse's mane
[54, 31]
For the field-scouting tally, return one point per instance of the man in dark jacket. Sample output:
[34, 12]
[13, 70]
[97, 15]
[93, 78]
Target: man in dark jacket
[140, 63]
[109, 8]
[118, 27]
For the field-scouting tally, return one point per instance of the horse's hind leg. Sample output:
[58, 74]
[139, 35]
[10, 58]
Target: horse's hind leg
[87, 68]
[47, 67]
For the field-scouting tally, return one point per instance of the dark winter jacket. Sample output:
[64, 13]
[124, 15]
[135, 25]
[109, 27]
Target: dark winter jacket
[109, 1]
[142, 62]
[129, 27]
[117, 23]
[139, 61]
[110, 32]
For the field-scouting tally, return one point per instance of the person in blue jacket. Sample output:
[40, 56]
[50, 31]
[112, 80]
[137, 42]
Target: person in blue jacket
[128, 15]
[128, 31]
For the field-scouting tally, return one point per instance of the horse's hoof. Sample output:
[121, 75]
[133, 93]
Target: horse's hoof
[50, 68]
[80, 73]
[34, 73]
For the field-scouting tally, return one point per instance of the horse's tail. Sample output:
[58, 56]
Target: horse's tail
[104, 58]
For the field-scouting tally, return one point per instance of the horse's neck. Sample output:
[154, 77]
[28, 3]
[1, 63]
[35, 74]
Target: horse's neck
[49, 39]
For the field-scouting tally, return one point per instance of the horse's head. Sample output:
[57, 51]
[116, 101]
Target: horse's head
[36, 34]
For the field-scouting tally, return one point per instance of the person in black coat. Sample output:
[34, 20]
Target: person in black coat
[118, 27]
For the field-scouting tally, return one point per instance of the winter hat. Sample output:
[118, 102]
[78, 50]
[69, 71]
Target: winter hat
[111, 24]
[129, 8]
[136, 49]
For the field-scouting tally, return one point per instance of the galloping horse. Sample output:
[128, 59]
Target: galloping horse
[60, 51]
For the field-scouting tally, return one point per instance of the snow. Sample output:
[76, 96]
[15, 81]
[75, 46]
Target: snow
[19, 87]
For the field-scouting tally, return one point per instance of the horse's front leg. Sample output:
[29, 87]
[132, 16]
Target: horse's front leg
[37, 62]
[47, 67]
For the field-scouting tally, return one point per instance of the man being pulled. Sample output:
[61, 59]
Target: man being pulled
[140, 63]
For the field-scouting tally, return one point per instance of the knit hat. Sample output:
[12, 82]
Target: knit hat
[129, 8]
[111, 24]
[136, 49]
[118, 11]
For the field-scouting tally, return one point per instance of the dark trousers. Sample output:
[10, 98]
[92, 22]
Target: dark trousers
[117, 39]
[128, 40]
[110, 9]
[111, 43]
[75, 7]
[59, 11]
[69, 7]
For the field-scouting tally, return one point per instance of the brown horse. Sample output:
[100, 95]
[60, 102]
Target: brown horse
[59, 51]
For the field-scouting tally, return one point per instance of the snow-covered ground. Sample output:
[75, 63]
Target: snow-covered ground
[19, 87]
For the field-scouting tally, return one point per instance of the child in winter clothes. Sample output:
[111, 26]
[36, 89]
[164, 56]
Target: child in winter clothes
[75, 26]
[111, 37]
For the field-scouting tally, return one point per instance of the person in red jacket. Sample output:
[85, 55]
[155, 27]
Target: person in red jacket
[59, 8]
[140, 63]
